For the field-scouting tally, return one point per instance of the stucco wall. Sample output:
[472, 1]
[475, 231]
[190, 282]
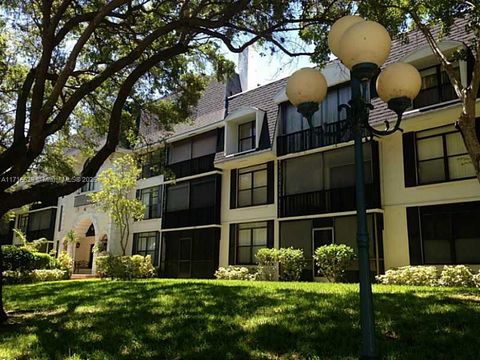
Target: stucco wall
[396, 197]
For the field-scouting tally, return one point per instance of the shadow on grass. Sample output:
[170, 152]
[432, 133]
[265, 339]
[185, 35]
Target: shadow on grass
[215, 320]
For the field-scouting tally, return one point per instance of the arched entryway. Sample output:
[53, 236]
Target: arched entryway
[82, 251]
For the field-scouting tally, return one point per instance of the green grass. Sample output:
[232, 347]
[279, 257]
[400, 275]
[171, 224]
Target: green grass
[175, 319]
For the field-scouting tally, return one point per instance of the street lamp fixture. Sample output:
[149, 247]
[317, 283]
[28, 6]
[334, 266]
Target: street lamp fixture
[363, 46]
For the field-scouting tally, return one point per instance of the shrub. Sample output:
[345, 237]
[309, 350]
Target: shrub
[410, 275]
[267, 264]
[333, 260]
[11, 277]
[47, 275]
[291, 263]
[476, 280]
[124, 267]
[459, 275]
[234, 273]
[18, 258]
[65, 263]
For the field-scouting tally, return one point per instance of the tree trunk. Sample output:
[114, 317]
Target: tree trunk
[467, 126]
[3, 314]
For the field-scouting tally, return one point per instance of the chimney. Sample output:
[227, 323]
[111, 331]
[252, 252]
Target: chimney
[248, 68]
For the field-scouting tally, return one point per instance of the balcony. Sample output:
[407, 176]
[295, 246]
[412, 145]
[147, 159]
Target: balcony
[42, 233]
[193, 166]
[313, 138]
[191, 217]
[81, 200]
[434, 95]
[327, 201]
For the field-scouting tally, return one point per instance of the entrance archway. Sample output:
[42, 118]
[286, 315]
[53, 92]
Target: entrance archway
[82, 251]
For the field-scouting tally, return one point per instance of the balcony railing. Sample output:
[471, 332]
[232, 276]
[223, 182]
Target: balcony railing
[329, 134]
[81, 200]
[326, 201]
[434, 95]
[193, 166]
[38, 234]
[191, 217]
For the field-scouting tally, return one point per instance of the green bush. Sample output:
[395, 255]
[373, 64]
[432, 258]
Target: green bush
[291, 263]
[47, 275]
[17, 258]
[11, 277]
[234, 273]
[333, 260]
[267, 264]
[459, 275]
[410, 275]
[65, 263]
[20, 258]
[476, 280]
[124, 267]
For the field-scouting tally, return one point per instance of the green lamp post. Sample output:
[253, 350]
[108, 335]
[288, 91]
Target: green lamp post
[362, 46]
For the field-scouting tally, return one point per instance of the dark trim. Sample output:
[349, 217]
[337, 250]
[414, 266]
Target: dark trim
[264, 142]
[232, 248]
[60, 218]
[414, 236]
[233, 188]
[270, 234]
[409, 159]
[270, 182]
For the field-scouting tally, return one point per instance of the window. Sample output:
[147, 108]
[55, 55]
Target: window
[436, 87]
[91, 185]
[192, 148]
[23, 222]
[39, 220]
[246, 136]
[442, 156]
[195, 194]
[150, 197]
[251, 238]
[145, 244]
[328, 112]
[450, 233]
[151, 163]
[252, 186]
[178, 197]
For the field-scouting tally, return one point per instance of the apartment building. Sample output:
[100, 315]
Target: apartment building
[250, 173]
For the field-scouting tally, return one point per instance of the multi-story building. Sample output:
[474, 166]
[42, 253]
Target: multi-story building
[250, 173]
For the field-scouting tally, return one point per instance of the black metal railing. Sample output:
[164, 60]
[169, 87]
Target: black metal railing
[435, 95]
[193, 166]
[328, 134]
[327, 201]
[191, 217]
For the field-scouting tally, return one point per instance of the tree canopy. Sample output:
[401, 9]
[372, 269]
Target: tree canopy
[73, 74]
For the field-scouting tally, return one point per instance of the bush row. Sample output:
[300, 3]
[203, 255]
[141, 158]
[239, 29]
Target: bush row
[288, 263]
[125, 267]
[11, 277]
[459, 275]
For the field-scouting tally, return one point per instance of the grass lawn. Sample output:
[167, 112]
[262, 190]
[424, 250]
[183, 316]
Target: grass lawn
[175, 319]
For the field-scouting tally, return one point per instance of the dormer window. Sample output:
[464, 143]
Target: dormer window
[242, 130]
[436, 87]
[246, 136]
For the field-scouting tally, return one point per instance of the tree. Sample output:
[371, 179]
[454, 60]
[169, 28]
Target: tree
[117, 183]
[434, 19]
[73, 73]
